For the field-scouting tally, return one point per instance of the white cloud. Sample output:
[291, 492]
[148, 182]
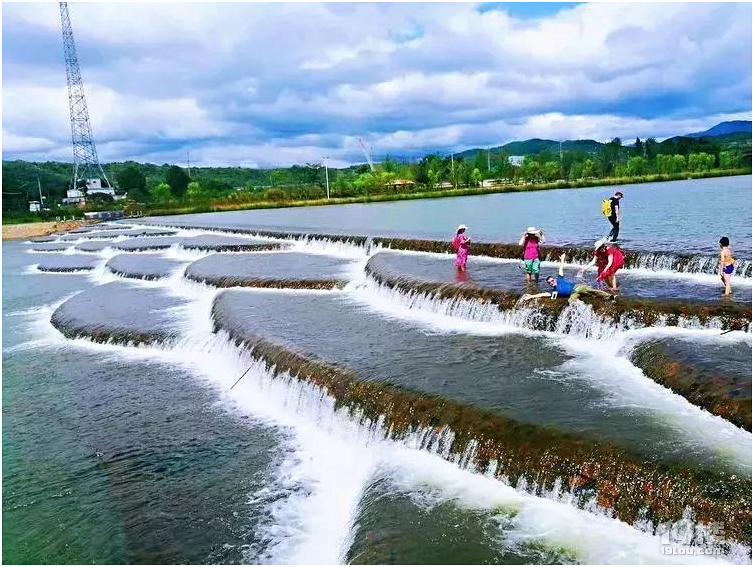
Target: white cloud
[266, 79]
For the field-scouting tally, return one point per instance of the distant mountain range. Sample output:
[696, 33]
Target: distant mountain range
[725, 132]
[731, 127]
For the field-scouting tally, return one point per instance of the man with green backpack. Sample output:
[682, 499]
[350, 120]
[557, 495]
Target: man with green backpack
[611, 209]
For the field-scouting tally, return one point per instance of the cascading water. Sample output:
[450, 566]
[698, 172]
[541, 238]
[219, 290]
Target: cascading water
[335, 453]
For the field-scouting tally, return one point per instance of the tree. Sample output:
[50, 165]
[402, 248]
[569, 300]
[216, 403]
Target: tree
[727, 160]
[161, 193]
[576, 170]
[277, 177]
[679, 164]
[133, 181]
[588, 169]
[638, 147]
[389, 165]
[530, 169]
[433, 177]
[476, 177]
[701, 161]
[366, 182]
[651, 148]
[386, 179]
[177, 179]
[480, 162]
[99, 201]
[637, 165]
[194, 190]
[552, 171]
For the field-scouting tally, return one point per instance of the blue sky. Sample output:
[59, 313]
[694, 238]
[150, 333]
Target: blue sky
[276, 84]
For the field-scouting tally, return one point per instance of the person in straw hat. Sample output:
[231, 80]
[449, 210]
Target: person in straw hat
[461, 244]
[530, 241]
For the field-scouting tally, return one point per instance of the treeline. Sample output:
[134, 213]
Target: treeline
[163, 186]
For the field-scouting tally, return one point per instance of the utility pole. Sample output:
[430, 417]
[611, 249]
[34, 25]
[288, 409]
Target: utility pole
[453, 170]
[327, 179]
[39, 186]
[188, 163]
[488, 161]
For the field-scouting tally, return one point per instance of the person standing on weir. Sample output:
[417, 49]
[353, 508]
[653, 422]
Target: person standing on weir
[530, 241]
[611, 209]
[460, 245]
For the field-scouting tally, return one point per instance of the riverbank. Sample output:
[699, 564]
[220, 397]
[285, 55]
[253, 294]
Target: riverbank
[218, 206]
[30, 229]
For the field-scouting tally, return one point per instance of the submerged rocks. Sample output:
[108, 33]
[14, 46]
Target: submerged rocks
[273, 270]
[117, 233]
[220, 243]
[714, 376]
[118, 312]
[145, 244]
[93, 245]
[143, 266]
[51, 247]
[67, 263]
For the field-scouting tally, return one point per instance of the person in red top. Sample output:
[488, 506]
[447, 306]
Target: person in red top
[609, 259]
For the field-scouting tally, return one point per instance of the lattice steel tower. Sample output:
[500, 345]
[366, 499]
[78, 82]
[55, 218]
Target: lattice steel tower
[85, 161]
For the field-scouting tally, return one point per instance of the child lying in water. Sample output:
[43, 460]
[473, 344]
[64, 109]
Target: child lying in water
[562, 287]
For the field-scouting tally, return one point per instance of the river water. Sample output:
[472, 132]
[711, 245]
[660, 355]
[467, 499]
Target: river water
[121, 452]
[676, 216]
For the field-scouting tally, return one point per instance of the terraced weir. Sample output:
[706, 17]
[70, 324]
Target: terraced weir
[237, 394]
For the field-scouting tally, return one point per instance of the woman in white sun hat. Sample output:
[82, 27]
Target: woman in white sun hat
[461, 245]
[531, 240]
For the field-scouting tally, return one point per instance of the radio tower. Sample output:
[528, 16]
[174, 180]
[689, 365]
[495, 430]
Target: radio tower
[85, 162]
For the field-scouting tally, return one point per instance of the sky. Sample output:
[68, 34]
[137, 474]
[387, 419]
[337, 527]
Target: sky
[262, 85]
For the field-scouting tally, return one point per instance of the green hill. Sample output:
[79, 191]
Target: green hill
[534, 146]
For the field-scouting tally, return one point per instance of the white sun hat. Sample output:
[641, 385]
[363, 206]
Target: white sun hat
[599, 244]
[462, 227]
[532, 230]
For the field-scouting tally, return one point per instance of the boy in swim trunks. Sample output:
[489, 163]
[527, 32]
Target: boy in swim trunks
[727, 263]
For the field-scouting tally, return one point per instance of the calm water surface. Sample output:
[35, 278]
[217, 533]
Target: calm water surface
[680, 216]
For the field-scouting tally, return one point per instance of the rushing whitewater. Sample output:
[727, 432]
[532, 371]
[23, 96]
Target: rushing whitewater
[426, 394]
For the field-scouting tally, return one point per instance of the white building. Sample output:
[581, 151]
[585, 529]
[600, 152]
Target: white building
[516, 160]
[74, 197]
[35, 206]
[95, 186]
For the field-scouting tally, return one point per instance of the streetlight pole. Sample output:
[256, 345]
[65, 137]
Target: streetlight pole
[327, 179]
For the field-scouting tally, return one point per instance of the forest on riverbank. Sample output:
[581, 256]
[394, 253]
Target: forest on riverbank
[162, 189]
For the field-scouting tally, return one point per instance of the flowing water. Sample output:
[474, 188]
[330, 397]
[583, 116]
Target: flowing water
[126, 440]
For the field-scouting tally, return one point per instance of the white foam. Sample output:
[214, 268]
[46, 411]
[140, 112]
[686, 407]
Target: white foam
[332, 457]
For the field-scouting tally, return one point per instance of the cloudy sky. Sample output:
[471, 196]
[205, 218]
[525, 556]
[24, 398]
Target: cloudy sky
[276, 84]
